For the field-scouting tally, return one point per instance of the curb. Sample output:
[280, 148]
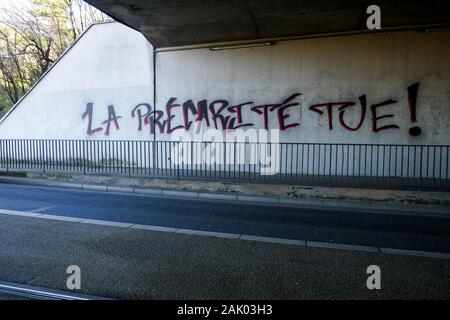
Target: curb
[376, 207]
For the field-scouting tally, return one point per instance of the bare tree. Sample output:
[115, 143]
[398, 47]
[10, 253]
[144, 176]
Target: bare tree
[31, 39]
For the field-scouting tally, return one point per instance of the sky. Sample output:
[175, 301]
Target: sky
[5, 4]
[8, 3]
[14, 3]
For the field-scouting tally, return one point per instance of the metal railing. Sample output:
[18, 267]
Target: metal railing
[420, 167]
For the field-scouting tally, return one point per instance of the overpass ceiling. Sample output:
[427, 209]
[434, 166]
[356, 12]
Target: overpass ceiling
[169, 23]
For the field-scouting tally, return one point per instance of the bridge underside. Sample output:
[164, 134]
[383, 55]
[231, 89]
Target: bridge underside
[190, 22]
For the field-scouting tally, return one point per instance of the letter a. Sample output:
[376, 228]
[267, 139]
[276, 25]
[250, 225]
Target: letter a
[74, 281]
[374, 280]
[374, 20]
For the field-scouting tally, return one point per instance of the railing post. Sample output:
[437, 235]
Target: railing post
[44, 155]
[224, 158]
[7, 155]
[154, 164]
[128, 156]
[84, 156]
[330, 181]
[249, 160]
[178, 160]
[420, 169]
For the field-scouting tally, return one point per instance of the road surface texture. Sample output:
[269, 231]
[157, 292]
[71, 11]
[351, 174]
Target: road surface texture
[352, 227]
[128, 263]
[4, 296]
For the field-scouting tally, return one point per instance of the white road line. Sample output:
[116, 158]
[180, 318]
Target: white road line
[43, 209]
[242, 237]
[107, 223]
[273, 240]
[61, 218]
[20, 213]
[415, 253]
[330, 245]
[208, 233]
[153, 228]
[20, 290]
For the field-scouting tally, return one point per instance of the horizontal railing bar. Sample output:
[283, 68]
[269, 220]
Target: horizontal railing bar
[231, 142]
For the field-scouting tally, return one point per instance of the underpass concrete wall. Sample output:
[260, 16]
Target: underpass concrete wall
[382, 88]
[340, 71]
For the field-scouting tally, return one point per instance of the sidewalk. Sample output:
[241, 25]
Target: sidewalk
[128, 263]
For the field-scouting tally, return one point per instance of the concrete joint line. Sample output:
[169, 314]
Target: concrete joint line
[93, 187]
[70, 185]
[257, 199]
[120, 189]
[217, 196]
[152, 192]
[178, 193]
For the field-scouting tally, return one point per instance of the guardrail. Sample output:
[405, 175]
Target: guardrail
[353, 165]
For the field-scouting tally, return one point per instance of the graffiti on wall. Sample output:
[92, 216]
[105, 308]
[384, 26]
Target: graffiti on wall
[222, 115]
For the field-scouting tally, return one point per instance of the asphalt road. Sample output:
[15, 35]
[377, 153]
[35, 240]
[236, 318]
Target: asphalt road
[127, 263]
[348, 227]
[4, 296]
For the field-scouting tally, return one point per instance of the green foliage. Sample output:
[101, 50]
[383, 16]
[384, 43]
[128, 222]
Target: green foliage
[5, 103]
[19, 174]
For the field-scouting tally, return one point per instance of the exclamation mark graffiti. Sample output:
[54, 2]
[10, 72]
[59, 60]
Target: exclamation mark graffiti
[412, 102]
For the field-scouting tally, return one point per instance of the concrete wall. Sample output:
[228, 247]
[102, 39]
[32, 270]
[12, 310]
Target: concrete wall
[113, 65]
[337, 69]
[109, 65]
[340, 70]
[351, 89]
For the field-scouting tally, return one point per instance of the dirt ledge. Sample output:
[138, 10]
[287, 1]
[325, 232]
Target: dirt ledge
[273, 190]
